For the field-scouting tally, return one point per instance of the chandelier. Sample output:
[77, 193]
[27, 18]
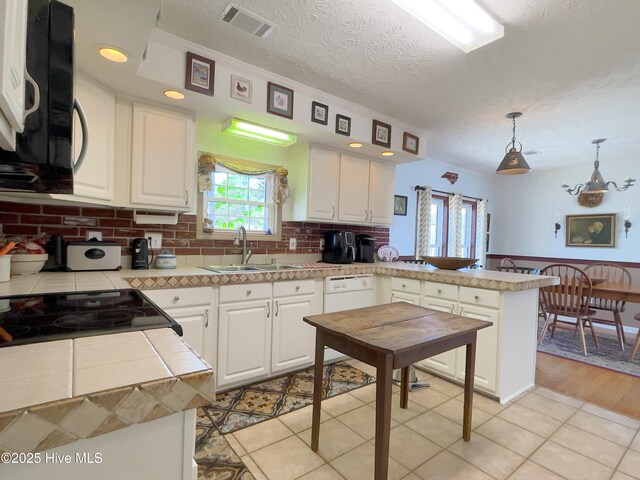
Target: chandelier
[596, 183]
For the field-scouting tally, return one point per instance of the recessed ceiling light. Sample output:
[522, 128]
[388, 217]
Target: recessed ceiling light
[174, 94]
[355, 144]
[387, 153]
[462, 22]
[113, 54]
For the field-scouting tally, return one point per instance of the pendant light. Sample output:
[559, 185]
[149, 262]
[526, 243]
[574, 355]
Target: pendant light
[596, 183]
[513, 162]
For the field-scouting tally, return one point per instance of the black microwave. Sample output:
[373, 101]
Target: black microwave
[42, 161]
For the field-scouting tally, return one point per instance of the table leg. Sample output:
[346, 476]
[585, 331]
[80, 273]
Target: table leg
[469, 373]
[384, 382]
[404, 387]
[317, 390]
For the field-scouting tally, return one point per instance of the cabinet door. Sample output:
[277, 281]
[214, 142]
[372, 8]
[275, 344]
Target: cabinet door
[293, 340]
[443, 363]
[244, 341]
[324, 175]
[413, 298]
[381, 182]
[161, 157]
[13, 41]
[196, 327]
[486, 348]
[95, 178]
[354, 189]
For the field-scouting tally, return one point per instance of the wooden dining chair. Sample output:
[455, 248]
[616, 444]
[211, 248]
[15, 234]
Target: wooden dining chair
[525, 270]
[636, 345]
[570, 299]
[507, 262]
[610, 273]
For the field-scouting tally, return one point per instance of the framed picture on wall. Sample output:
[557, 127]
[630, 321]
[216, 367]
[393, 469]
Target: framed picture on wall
[591, 230]
[410, 143]
[343, 125]
[241, 89]
[279, 100]
[319, 113]
[400, 205]
[200, 74]
[381, 134]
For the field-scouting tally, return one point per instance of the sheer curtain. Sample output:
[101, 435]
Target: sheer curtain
[424, 222]
[481, 233]
[454, 244]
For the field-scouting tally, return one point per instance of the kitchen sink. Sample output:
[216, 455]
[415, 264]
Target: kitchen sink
[275, 267]
[232, 268]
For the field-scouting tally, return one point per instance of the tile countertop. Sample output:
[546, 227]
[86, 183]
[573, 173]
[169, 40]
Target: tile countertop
[90, 386]
[47, 282]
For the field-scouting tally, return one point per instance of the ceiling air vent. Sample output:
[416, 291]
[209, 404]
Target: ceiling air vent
[246, 21]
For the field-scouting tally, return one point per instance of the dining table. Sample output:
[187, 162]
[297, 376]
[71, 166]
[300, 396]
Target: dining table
[616, 291]
[392, 336]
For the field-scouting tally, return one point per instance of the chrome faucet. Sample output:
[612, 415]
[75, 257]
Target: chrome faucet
[246, 255]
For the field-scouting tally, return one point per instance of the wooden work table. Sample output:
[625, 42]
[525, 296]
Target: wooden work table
[388, 337]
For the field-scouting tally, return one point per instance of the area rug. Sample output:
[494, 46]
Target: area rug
[251, 404]
[607, 356]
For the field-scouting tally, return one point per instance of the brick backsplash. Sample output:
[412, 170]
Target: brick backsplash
[117, 225]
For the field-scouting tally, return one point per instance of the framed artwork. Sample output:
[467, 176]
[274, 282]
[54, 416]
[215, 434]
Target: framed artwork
[200, 74]
[410, 143]
[343, 125]
[241, 89]
[381, 134]
[591, 230]
[319, 113]
[400, 205]
[279, 100]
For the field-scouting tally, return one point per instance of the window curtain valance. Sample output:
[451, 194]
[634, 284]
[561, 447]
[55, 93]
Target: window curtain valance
[207, 163]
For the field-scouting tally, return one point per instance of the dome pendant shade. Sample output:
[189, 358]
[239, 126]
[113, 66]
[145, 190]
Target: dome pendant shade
[513, 163]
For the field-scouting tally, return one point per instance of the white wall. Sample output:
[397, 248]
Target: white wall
[428, 172]
[523, 213]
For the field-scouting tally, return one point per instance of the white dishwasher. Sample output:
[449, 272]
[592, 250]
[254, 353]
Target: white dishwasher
[345, 293]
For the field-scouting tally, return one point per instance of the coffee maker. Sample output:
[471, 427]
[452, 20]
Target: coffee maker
[140, 254]
[339, 247]
[365, 248]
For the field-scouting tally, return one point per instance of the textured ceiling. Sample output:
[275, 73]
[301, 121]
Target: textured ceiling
[572, 67]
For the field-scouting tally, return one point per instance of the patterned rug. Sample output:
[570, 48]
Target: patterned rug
[608, 356]
[251, 404]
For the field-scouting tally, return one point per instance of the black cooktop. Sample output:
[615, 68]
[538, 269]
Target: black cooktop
[54, 316]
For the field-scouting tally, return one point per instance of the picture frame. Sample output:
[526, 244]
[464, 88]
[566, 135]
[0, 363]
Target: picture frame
[200, 74]
[595, 230]
[381, 134]
[241, 89]
[319, 113]
[400, 205]
[343, 125]
[410, 143]
[279, 100]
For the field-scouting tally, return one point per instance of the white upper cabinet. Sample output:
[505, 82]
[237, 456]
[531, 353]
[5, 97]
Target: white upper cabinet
[13, 50]
[381, 184]
[354, 189]
[162, 160]
[324, 177]
[93, 181]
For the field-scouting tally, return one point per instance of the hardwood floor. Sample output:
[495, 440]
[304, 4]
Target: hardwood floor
[613, 390]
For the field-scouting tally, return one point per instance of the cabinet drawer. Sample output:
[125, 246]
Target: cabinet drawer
[180, 297]
[296, 287]
[441, 290]
[480, 296]
[405, 285]
[246, 291]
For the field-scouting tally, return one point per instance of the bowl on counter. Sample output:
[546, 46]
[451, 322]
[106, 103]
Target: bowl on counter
[166, 260]
[27, 263]
[450, 263]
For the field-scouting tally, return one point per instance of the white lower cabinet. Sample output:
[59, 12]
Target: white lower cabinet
[293, 340]
[244, 341]
[413, 298]
[193, 309]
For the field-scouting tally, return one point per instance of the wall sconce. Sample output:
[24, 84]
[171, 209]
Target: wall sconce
[626, 216]
[557, 225]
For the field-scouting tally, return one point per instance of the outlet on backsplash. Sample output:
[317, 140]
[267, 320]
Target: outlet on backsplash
[155, 239]
[321, 244]
[94, 235]
[293, 243]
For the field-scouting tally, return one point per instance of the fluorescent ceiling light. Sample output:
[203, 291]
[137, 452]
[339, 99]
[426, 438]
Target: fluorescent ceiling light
[462, 22]
[253, 131]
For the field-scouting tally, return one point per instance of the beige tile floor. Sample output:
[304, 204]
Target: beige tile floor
[540, 435]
